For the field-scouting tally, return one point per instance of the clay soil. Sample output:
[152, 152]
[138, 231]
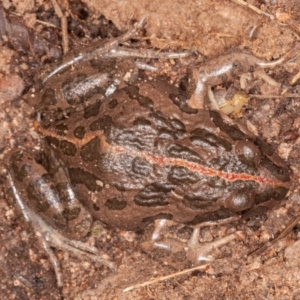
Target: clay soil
[268, 29]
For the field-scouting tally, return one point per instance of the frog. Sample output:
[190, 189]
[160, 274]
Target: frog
[136, 153]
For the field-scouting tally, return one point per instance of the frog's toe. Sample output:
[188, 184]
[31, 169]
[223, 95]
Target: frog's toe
[202, 252]
[180, 254]
[50, 237]
[78, 248]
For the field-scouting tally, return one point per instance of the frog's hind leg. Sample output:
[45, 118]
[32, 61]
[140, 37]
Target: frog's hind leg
[49, 237]
[32, 192]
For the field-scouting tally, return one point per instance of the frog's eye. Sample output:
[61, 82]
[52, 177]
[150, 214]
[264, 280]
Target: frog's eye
[251, 69]
[240, 201]
[280, 171]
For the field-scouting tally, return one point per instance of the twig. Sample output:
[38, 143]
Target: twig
[46, 23]
[149, 282]
[295, 78]
[275, 96]
[94, 53]
[64, 27]
[254, 8]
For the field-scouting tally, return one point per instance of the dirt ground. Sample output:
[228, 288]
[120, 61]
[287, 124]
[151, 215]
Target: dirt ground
[31, 39]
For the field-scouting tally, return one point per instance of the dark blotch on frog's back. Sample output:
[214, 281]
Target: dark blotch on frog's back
[119, 186]
[52, 141]
[113, 103]
[153, 195]
[163, 121]
[129, 137]
[91, 150]
[204, 138]
[181, 175]
[103, 123]
[231, 129]
[96, 208]
[166, 134]
[168, 128]
[67, 148]
[144, 101]
[79, 132]
[142, 123]
[61, 129]
[115, 203]
[185, 153]
[92, 110]
[196, 202]
[80, 176]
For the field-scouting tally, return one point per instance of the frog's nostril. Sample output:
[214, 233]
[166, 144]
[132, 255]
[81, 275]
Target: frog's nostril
[83, 14]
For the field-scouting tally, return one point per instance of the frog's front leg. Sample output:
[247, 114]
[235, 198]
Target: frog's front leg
[223, 69]
[45, 205]
[183, 254]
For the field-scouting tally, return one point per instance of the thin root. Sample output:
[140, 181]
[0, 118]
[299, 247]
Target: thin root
[284, 233]
[153, 281]
[274, 96]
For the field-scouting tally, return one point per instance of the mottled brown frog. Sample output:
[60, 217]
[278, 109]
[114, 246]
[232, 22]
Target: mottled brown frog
[137, 155]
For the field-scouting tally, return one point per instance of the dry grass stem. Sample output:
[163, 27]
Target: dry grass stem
[149, 282]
